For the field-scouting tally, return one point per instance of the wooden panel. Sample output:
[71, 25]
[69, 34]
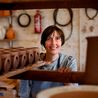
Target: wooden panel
[91, 73]
[41, 75]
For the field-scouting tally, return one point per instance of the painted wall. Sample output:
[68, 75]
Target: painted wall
[76, 45]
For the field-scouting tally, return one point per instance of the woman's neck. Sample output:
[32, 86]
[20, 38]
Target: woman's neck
[51, 57]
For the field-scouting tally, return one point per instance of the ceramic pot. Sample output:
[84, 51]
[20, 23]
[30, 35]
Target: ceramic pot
[6, 62]
[82, 91]
[30, 56]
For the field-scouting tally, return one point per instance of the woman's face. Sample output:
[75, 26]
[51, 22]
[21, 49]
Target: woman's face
[53, 43]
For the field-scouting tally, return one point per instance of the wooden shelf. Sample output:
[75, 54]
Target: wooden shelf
[46, 4]
[10, 42]
[7, 40]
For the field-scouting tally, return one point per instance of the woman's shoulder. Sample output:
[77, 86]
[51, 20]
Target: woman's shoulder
[68, 60]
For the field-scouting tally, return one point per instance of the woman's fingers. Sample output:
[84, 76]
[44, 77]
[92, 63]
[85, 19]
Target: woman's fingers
[62, 69]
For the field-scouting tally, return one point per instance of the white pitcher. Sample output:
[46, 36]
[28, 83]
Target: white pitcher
[2, 32]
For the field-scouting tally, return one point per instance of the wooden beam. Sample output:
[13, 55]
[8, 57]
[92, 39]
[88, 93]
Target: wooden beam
[47, 4]
[54, 76]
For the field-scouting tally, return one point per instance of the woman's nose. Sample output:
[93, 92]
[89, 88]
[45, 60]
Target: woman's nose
[53, 41]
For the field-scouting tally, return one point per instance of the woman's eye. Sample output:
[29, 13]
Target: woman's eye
[48, 38]
[57, 38]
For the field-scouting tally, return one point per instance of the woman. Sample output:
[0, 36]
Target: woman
[52, 39]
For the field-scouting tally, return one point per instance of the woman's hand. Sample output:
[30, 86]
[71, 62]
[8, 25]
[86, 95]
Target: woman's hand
[63, 69]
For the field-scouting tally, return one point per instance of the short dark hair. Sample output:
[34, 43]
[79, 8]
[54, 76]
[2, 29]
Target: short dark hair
[48, 31]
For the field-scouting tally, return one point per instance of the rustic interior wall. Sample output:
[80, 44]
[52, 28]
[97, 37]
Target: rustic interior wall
[88, 28]
[76, 43]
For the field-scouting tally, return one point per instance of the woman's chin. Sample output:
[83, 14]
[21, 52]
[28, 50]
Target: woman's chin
[54, 52]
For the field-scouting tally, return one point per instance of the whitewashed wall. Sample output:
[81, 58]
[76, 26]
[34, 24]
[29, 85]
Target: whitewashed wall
[75, 46]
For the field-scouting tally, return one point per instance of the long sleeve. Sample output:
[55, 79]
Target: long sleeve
[68, 61]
